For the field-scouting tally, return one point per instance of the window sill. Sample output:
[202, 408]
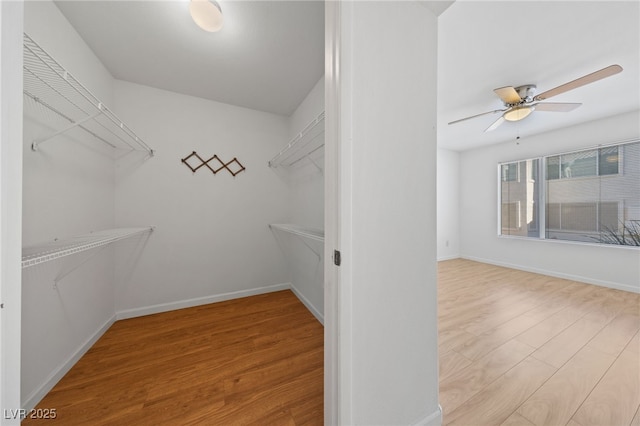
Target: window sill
[579, 243]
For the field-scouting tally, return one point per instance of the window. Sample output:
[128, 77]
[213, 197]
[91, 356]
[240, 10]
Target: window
[609, 161]
[580, 221]
[591, 196]
[519, 198]
[593, 162]
[510, 172]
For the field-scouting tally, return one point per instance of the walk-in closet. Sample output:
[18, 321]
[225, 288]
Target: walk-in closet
[139, 200]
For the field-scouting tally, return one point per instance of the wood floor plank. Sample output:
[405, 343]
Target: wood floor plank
[634, 344]
[516, 419]
[616, 397]
[567, 343]
[636, 418]
[490, 340]
[609, 304]
[461, 386]
[560, 397]
[449, 338]
[500, 313]
[266, 404]
[452, 362]
[547, 329]
[616, 335]
[501, 398]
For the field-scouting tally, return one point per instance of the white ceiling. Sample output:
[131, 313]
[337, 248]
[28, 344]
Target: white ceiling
[270, 54]
[486, 45]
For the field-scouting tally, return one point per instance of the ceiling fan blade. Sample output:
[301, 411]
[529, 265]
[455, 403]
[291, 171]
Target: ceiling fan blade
[508, 94]
[556, 106]
[589, 78]
[495, 124]
[477, 115]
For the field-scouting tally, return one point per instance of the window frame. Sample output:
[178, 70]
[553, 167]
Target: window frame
[542, 192]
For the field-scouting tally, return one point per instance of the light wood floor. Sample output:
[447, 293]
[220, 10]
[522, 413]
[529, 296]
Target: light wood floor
[515, 349]
[524, 349]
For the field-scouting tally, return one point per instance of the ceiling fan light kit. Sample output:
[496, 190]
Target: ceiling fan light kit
[518, 113]
[520, 101]
[207, 14]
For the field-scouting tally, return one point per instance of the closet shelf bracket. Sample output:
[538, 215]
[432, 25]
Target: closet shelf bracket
[315, 164]
[36, 142]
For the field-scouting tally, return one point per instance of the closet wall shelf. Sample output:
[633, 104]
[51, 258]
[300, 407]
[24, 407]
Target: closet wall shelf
[312, 234]
[68, 104]
[305, 143]
[35, 255]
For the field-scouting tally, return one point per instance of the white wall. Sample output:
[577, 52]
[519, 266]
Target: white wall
[69, 183]
[212, 239]
[68, 189]
[307, 183]
[309, 108]
[448, 204]
[616, 267]
[305, 179]
[388, 214]
[10, 207]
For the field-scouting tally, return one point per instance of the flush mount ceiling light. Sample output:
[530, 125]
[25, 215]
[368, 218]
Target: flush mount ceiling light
[207, 14]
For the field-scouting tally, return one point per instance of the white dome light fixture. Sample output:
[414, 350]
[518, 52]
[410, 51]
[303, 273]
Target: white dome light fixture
[518, 113]
[207, 14]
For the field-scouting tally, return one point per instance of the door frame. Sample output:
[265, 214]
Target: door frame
[11, 29]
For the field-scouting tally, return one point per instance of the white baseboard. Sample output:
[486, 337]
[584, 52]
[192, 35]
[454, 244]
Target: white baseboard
[171, 306]
[455, 256]
[433, 419]
[587, 280]
[36, 396]
[316, 313]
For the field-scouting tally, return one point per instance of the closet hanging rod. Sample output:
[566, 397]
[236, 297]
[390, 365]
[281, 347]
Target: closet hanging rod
[305, 142]
[68, 119]
[49, 84]
[37, 254]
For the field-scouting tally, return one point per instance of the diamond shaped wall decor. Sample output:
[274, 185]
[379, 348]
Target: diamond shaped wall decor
[191, 161]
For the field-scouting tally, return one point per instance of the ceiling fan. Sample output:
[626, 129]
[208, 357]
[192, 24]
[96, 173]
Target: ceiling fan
[520, 101]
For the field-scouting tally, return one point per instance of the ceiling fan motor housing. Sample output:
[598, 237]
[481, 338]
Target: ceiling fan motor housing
[526, 93]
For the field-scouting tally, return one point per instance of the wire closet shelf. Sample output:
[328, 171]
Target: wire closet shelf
[305, 143]
[69, 104]
[312, 234]
[41, 253]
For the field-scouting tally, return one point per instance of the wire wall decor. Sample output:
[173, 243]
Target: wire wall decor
[234, 166]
